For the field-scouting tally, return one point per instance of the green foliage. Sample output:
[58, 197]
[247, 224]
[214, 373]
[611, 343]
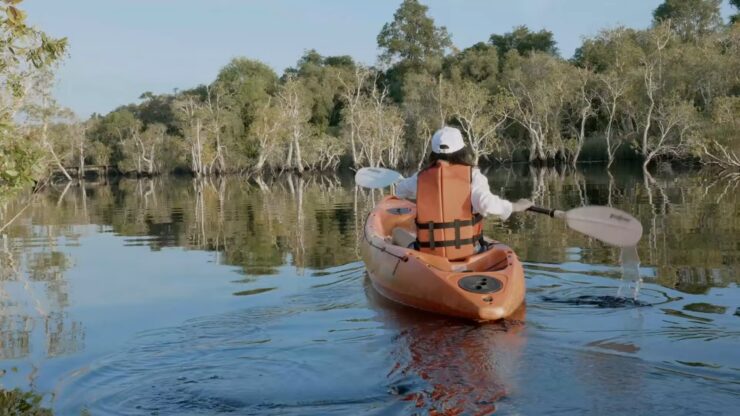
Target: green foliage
[690, 18]
[412, 37]
[610, 50]
[524, 41]
[26, 54]
[542, 86]
[20, 160]
[478, 63]
[320, 79]
[411, 43]
[249, 83]
[659, 93]
[17, 402]
[156, 109]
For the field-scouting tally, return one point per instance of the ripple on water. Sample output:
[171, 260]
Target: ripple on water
[317, 352]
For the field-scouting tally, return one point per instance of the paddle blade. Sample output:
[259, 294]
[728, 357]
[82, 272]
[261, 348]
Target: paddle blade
[609, 225]
[376, 177]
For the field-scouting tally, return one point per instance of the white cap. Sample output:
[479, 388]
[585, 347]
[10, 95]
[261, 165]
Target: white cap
[447, 140]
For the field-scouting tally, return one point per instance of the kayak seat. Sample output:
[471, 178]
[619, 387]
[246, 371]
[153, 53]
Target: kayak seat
[492, 258]
[403, 237]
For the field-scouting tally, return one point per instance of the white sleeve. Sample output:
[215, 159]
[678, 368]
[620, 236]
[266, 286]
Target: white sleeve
[484, 202]
[406, 188]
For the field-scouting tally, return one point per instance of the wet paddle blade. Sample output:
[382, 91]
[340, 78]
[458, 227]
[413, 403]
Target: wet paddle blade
[607, 224]
[376, 177]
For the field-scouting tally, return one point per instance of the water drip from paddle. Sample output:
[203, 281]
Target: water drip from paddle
[631, 279]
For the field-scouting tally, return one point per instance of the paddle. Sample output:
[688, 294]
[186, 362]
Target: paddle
[374, 178]
[607, 224]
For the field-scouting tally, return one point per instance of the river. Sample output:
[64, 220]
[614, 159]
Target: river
[176, 296]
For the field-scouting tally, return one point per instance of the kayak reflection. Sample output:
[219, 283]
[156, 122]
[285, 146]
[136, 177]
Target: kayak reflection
[450, 366]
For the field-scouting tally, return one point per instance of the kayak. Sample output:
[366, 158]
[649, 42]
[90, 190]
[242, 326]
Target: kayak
[483, 287]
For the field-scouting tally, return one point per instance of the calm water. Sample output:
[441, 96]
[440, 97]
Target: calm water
[172, 296]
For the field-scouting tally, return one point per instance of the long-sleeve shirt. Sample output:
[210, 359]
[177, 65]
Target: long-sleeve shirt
[484, 202]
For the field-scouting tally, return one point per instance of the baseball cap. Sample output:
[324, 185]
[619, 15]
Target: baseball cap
[447, 140]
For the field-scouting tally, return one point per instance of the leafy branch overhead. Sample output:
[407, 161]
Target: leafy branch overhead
[28, 55]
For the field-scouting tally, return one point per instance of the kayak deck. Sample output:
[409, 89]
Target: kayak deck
[486, 286]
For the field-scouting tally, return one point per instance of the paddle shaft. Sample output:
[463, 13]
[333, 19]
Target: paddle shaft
[549, 212]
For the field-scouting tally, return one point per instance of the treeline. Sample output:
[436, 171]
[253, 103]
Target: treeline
[669, 91]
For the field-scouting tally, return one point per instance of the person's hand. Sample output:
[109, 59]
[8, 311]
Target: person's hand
[521, 205]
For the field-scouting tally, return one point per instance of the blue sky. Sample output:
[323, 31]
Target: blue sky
[122, 48]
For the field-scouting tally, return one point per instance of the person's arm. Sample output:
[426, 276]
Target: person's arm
[406, 188]
[484, 202]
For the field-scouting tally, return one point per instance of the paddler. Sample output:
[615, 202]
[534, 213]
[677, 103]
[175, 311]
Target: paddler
[452, 197]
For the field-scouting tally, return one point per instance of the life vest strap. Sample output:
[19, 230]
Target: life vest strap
[450, 243]
[452, 224]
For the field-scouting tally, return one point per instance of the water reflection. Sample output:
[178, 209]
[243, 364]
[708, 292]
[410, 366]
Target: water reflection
[449, 366]
[278, 258]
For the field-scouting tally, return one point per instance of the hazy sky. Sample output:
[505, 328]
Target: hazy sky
[121, 48]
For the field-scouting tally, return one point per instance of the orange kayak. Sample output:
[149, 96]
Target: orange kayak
[485, 286]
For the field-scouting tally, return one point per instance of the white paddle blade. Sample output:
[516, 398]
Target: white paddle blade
[376, 177]
[609, 225]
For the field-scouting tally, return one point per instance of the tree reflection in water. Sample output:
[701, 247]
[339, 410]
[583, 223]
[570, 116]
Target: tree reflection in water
[314, 222]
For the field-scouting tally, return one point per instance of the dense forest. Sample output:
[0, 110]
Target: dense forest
[667, 92]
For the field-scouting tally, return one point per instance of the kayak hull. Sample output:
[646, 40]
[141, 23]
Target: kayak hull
[486, 286]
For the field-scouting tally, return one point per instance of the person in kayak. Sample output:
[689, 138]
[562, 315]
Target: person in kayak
[452, 197]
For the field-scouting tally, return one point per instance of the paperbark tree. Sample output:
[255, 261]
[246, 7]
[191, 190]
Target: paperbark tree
[296, 115]
[540, 85]
[479, 113]
[351, 93]
[190, 114]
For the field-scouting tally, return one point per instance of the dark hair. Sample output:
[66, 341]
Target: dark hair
[462, 157]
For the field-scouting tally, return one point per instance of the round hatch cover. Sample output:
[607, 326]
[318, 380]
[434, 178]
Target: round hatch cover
[480, 284]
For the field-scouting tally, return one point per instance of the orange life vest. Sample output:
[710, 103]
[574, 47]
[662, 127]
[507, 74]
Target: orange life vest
[445, 222]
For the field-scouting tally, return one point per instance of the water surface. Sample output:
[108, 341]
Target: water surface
[176, 296]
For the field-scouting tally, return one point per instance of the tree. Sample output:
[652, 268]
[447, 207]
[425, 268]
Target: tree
[322, 86]
[410, 44]
[190, 113]
[613, 54]
[690, 19]
[735, 17]
[250, 83]
[412, 36]
[524, 41]
[581, 109]
[425, 112]
[656, 42]
[117, 130]
[295, 114]
[541, 85]
[724, 127]
[675, 120]
[218, 115]
[148, 144]
[352, 87]
[479, 113]
[156, 109]
[478, 63]
[380, 128]
[266, 131]
[26, 51]
[43, 111]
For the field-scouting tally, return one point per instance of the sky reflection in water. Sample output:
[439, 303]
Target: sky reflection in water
[174, 296]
